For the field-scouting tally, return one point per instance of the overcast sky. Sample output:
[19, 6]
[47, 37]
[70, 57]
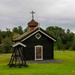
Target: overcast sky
[60, 13]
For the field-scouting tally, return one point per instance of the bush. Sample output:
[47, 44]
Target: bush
[7, 45]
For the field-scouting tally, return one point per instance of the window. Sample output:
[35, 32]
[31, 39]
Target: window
[38, 36]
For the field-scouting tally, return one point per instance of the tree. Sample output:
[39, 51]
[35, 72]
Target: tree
[20, 30]
[7, 45]
[55, 31]
[68, 31]
[8, 33]
[73, 43]
[3, 33]
[1, 39]
[64, 38]
[26, 29]
[51, 30]
[15, 30]
[59, 43]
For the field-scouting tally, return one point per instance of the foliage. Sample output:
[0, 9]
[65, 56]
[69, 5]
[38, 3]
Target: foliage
[26, 29]
[0, 39]
[65, 67]
[73, 46]
[59, 43]
[15, 35]
[6, 45]
[8, 33]
[7, 36]
[18, 30]
[15, 30]
[64, 38]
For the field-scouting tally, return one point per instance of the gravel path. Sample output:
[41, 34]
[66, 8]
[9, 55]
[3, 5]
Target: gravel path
[45, 61]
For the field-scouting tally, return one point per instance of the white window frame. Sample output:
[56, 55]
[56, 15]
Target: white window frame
[41, 52]
[38, 37]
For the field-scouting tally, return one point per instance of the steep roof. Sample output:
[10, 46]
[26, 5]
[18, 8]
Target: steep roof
[30, 33]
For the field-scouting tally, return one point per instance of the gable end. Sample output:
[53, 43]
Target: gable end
[36, 32]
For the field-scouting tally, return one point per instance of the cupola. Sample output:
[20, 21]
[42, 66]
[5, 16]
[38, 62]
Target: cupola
[32, 24]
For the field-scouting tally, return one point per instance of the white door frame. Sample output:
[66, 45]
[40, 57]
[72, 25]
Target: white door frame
[41, 52]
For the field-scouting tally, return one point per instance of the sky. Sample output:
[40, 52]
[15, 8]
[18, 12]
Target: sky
[14, 13]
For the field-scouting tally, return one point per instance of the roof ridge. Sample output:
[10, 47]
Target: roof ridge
[33, 31]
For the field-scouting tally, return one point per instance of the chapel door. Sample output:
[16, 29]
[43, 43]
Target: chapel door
[38, 52]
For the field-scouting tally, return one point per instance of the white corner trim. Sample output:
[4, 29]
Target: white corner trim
[19, 43]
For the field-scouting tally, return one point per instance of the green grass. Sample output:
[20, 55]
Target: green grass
[67, 67]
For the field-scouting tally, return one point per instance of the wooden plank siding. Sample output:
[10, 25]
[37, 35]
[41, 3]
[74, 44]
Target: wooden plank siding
[29, 51]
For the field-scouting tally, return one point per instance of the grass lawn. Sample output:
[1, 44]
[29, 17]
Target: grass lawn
[67, 67]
